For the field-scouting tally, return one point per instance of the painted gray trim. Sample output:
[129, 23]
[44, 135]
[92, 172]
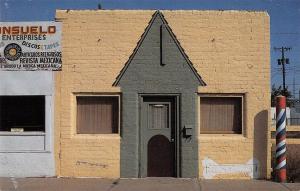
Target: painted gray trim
[158, 13]
[145, 75]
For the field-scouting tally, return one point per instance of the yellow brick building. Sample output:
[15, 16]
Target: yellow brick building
[224, 54]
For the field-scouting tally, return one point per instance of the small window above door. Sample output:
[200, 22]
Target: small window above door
[159, 116]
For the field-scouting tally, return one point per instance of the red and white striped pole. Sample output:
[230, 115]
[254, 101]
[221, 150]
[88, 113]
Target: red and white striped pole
[280, 139]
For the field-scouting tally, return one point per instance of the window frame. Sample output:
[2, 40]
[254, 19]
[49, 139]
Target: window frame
[47, 134]
[75, 95]
[223, 95]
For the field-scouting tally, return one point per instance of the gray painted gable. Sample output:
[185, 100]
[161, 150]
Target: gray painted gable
[159, 53]
[157, 68]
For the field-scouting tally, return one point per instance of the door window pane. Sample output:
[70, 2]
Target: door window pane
[159, 115]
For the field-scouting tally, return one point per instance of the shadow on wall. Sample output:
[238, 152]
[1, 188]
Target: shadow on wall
[260, 138]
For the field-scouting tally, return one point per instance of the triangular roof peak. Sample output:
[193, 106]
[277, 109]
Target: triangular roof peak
[158, 13]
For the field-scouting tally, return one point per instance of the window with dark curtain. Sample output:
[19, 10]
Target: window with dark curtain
[221, 115]
[97, 114]
[25, 113]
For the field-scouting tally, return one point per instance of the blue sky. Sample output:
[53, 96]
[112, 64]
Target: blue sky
[285, 20]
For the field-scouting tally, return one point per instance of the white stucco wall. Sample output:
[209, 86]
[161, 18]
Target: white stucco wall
[28, 154]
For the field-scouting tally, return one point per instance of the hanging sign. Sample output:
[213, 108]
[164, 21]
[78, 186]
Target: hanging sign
[30, 46]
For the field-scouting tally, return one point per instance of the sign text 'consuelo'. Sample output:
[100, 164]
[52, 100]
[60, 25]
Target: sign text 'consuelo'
[30, 46]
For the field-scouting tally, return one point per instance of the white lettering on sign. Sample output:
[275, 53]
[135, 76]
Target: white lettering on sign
[30, 46]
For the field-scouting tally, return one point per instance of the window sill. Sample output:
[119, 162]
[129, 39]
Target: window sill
[25, 151]
[97, 136]
[28, 133]
[222, 136]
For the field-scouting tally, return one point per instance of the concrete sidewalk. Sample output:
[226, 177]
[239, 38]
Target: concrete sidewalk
[147, 184]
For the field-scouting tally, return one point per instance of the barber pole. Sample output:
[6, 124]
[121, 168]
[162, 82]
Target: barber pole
[280, 138]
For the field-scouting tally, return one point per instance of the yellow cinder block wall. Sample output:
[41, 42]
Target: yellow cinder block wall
[230, 50]
[92, 58]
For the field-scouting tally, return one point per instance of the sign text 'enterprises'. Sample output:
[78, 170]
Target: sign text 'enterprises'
[30, 46]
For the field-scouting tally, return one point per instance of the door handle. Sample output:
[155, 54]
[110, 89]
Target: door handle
[172, 140]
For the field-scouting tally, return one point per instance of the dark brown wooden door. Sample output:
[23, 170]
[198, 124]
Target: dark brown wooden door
[158, 137]
[160, 157]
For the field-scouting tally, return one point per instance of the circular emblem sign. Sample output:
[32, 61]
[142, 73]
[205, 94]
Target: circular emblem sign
[12, 52]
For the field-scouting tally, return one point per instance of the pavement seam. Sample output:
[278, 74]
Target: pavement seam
[285, 186]
[114, 184]
[199, 184]
[14, 182]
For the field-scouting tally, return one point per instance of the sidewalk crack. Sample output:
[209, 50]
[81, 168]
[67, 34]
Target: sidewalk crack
[286, 186]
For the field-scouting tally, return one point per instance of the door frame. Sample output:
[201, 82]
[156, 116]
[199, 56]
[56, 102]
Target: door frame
[177, 128]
